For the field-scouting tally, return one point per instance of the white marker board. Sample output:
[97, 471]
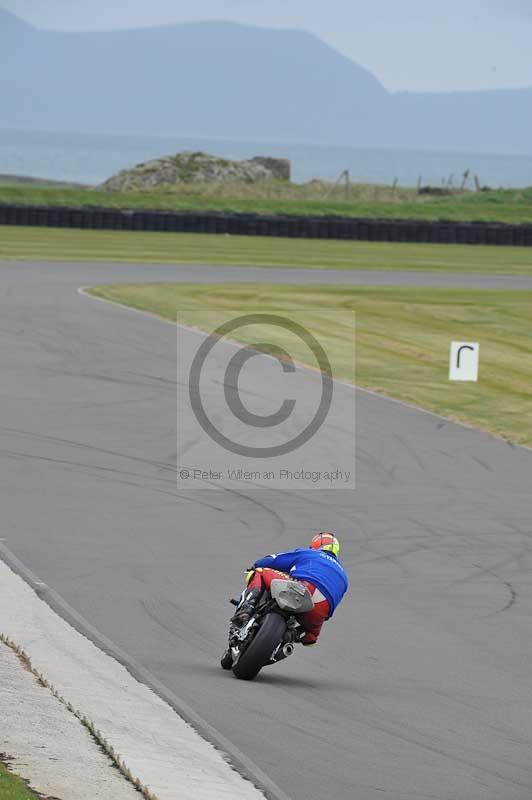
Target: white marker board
[463, 361]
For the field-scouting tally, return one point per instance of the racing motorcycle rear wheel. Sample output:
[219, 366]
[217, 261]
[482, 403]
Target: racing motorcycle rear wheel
[257, 653]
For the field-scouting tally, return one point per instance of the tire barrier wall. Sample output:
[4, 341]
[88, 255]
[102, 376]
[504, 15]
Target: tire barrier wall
[371, 230]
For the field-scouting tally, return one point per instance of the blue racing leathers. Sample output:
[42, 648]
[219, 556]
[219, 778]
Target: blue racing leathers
[315, 566]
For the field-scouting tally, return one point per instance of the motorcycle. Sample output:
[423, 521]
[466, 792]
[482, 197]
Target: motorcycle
[272, 631]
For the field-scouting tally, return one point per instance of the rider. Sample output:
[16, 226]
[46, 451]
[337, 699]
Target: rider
[317, 567]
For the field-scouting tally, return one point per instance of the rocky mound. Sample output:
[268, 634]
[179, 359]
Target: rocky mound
[197, 168]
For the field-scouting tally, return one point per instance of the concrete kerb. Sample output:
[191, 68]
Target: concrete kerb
[93, 730]
[231, 754]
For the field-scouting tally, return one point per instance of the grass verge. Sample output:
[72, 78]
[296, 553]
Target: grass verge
[402, 339]
[14, 788]
[56, 244]
[278, 197]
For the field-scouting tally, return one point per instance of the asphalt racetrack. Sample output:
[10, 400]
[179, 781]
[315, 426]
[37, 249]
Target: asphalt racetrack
[421, 687]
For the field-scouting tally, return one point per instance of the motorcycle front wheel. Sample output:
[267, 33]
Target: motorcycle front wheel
[258, 652]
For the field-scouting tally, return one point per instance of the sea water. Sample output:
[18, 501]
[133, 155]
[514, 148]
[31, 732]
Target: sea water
[91, 158]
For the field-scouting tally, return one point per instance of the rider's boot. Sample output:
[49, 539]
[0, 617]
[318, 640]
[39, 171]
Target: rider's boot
[242, 616]
[227, 659]
[246, 608]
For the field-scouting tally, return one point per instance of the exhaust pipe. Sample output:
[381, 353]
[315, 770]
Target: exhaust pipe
[288, 649]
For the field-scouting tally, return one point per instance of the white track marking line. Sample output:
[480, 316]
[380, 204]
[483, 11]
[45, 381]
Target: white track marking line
[83, 290]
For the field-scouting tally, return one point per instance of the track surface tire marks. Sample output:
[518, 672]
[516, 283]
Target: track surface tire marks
[420, 688]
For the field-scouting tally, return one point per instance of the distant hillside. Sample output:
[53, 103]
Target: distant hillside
[223, 80]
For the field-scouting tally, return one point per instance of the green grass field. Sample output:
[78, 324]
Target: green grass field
[402, 339]
[362, 200]
[13, 788]
[56, 244]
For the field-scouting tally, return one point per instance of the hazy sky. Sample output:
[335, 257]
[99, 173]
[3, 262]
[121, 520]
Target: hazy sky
[413, 44]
